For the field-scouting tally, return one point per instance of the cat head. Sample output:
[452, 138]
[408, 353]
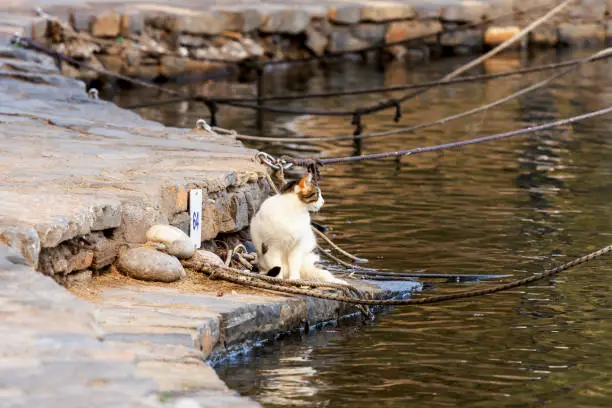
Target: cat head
[308, 193]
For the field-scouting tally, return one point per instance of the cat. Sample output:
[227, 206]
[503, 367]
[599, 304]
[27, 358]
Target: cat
[282, 234]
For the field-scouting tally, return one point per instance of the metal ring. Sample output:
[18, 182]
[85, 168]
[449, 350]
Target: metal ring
[201, 124]
[267, 159]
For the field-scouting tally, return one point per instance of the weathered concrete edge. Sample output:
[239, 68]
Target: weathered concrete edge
[241, 329]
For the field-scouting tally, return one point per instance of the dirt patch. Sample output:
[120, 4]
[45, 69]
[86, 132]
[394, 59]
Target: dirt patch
[196, 282]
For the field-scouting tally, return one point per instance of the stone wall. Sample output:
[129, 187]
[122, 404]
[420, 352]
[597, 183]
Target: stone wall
[155, 41]
[80, 176]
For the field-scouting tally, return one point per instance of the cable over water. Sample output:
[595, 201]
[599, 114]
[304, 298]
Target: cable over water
[454, 145]
[604, 54]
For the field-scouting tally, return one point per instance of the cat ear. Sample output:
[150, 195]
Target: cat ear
[305, 181]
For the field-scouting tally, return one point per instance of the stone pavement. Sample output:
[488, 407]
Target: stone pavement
[77, 172]
[53, 354]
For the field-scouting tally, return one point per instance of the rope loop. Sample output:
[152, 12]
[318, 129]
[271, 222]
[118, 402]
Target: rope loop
[310, 164]
[271, 161]
[93, 94]
[202, 125]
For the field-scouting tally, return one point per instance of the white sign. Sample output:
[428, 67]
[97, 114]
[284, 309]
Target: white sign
[195, 213]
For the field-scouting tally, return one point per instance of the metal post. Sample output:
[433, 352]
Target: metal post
[260, 94]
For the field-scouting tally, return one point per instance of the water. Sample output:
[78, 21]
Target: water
[514, 206]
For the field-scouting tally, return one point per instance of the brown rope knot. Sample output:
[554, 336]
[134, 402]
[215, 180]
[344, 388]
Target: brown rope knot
[310, 164]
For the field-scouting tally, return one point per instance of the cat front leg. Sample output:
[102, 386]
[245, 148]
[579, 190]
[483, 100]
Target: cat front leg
[295, 259]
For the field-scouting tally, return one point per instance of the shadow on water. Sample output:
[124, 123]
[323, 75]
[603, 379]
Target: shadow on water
[515, 206]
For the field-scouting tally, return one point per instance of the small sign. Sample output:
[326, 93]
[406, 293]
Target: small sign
[195, 213]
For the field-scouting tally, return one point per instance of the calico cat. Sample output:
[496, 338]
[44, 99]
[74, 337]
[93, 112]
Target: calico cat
[282, 234]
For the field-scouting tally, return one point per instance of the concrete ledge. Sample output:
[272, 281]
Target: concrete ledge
[74, 167]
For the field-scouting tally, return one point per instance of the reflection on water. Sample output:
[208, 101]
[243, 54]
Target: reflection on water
[514, 206]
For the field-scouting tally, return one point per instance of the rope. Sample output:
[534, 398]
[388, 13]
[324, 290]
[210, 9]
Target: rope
[236, 276]
[356, 114]
[453, 145]
[393, 88]
[603, 54]
[337, 248]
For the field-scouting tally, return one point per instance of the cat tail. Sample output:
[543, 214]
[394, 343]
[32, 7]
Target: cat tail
[310, 271]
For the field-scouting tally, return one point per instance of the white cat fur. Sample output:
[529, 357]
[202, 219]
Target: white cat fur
[283, 225]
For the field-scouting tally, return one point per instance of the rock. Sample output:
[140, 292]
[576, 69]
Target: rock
[132, 23]
[172, 66]
[545, 35]
[78, 277]
[316, 41]
[104, 250]
[252, 48]
[137, 218]
[350, 14]
[66, 257]
[177, 243]
[195, 67]
[25, 241]
[191, 22]
[81, 49]
[192, 41]
[466, 12]
[81, 19]
[242, 21]
[150, 265]
[204, 256]
[113, 63]
[466, 38]
[342, 40]
[206, 53]
[233, 51]
[107, 24]
[379, 12]
[285, 21]
[407, 30]
[372, 33]
[497, 35]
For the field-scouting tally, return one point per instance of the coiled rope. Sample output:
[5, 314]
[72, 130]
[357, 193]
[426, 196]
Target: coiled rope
[253, 280]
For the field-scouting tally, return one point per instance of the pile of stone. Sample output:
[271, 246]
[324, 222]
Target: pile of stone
[159, 258]
[153, 41]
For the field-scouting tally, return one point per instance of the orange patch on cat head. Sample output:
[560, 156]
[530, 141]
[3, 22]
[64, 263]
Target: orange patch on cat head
[305, 182]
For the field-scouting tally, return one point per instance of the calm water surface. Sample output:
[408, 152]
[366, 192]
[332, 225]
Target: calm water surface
[515, 206]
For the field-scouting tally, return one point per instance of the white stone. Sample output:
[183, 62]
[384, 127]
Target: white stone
[176, 241]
